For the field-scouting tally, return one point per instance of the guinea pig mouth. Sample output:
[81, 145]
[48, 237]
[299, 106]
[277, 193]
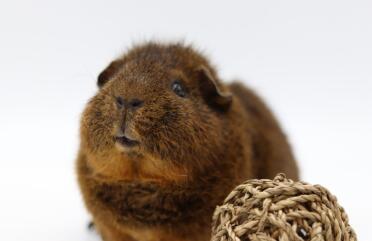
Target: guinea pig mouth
[125, 141]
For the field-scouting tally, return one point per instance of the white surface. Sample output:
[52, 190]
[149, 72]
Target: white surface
[311, 60]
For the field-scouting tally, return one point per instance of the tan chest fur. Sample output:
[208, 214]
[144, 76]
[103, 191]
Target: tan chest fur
[120, 167]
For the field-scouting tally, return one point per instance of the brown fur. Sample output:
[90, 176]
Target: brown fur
[192, 150]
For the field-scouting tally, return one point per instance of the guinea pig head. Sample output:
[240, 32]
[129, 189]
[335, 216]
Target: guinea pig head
[156, 119]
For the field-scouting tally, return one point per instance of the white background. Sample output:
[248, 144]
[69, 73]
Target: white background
[311, 61]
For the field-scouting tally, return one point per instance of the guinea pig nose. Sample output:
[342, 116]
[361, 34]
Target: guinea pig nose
[120, 102]
[135, 103]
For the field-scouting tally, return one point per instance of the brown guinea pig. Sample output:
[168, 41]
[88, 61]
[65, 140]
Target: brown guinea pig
[164, 141]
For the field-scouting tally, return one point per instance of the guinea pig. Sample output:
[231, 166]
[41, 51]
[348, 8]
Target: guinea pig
[164, 141]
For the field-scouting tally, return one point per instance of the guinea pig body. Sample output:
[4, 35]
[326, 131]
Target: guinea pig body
[164, 141]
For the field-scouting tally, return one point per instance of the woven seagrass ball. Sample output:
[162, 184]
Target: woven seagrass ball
[280, 209]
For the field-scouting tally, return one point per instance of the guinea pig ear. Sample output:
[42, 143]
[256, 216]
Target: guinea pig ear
[109, 72]
[212, 94]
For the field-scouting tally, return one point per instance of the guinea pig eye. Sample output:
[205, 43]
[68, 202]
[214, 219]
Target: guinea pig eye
[178, 88]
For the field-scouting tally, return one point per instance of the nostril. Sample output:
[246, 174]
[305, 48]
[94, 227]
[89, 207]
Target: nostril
[120, 102]
[135, 103]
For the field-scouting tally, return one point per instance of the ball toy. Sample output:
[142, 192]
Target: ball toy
[283, 210]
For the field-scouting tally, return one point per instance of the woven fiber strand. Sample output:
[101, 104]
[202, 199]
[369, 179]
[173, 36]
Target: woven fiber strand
[280, 209]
